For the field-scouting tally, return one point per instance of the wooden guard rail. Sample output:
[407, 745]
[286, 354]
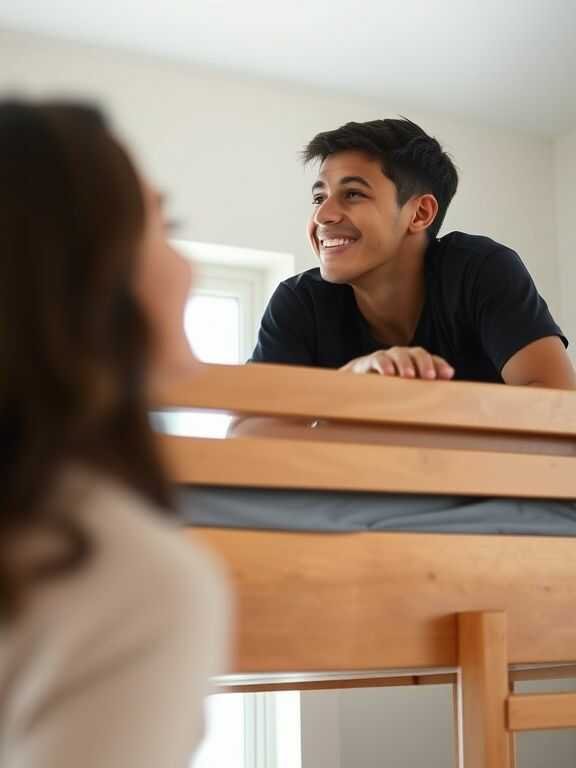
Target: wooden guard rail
[408, 436]
[277, 390]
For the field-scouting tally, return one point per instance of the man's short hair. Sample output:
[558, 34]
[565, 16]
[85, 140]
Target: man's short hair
[412, 160]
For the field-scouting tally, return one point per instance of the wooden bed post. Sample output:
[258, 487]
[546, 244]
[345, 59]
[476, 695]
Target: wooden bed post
[483, 691]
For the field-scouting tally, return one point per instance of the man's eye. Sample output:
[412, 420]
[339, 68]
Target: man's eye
[351, 193]
[317, 200]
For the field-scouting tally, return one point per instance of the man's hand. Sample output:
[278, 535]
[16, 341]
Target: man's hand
[406, 362]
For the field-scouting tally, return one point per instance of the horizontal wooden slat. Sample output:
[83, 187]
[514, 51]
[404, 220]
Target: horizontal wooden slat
[417, 437]
[305, 392]
[556, 672]
[541, 711]
[253, 462]
[369, 601]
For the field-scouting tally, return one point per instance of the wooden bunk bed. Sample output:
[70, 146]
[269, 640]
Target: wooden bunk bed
[327, 610]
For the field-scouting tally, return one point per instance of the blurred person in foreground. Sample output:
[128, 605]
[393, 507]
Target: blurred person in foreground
[110, 622]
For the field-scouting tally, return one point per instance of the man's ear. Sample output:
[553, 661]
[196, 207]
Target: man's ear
[425, 211]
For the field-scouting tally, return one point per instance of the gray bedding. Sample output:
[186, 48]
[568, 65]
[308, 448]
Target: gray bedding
[339, 512]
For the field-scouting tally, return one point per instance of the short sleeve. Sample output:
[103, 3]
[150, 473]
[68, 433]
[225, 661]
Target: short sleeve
[286, 333]
[508, 312]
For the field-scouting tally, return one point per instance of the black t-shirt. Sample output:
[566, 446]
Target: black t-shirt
[481, 307]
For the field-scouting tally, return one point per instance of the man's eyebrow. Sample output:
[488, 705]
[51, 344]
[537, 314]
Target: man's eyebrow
[344, 180]
[355, 180]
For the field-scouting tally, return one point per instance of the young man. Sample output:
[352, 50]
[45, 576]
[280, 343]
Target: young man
[391, 298]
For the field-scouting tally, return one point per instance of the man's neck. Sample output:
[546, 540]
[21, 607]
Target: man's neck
[391, 297]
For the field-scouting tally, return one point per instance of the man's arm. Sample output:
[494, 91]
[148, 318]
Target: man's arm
[515, 326]
[543, 363]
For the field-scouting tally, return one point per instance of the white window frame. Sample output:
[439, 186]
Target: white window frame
[271, 731]
[261, 271]
[260, 750]
[247, 285]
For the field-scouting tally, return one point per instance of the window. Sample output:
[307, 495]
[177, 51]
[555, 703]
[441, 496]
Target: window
[252, 730]
[224, 743]
[221, 323]
[223, 316]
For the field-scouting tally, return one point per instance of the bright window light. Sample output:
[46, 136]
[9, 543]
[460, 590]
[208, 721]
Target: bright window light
[212, 326]
[223, 746]
[288, 736]
[254, 730]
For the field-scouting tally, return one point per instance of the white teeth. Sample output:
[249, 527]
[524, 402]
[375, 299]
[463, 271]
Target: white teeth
[337, 242]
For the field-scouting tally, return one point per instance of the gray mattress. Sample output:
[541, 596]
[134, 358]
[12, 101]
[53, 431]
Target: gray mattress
[339, 512]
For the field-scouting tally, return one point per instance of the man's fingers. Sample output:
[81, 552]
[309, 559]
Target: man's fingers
[408, 363]
[383, 363]
[443, 369]
[403, 362]
[424, 363]
[431, 366]
[360, 365]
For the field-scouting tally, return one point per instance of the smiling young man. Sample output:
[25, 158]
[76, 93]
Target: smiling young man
[389, 297]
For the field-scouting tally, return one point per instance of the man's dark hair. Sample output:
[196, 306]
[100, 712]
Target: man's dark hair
[412, 160]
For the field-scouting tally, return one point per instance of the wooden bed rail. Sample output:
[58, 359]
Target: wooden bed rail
[382, 434]
[290, 391]
[383, 601]
[301, 465]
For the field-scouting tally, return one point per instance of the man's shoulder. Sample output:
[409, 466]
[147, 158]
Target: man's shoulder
[459, 259]
[468, 247]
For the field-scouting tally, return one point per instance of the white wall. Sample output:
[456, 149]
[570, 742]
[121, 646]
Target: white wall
[409, 727]
[227, 149]
[320, 730]
[404, 727]
[565, 163]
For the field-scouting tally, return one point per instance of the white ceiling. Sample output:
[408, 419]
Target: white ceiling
[506, 61]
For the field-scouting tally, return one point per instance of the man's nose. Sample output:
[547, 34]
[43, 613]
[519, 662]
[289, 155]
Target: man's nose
[328, 212]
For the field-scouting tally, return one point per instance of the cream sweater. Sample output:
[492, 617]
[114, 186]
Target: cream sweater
[109, 665]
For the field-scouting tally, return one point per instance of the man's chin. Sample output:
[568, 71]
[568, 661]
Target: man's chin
[336, 276]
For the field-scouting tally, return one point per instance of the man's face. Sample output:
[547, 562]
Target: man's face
[356, 224]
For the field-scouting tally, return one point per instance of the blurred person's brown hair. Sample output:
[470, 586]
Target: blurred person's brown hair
[74, 340]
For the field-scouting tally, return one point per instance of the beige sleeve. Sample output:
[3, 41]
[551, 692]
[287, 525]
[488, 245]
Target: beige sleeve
[112, 667]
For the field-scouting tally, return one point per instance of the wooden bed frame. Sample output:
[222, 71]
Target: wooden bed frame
[341, 610]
